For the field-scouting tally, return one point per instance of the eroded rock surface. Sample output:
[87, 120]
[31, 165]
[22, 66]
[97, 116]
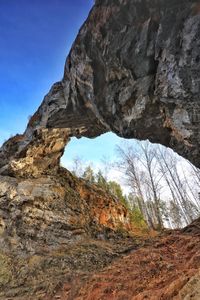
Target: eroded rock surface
[133, 69]
[33, 153]
[54, 226]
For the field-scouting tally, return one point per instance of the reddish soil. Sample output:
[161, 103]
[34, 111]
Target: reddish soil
[157, 270]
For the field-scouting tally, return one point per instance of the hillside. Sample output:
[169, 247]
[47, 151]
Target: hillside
[53, 226]
[166, 267]
[63, 238]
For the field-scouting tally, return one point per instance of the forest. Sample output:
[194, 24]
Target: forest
[163, 188]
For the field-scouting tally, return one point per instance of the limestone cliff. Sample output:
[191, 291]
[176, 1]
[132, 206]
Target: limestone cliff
[133, 69]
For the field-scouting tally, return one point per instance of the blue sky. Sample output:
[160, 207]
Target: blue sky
[35, 38]
[92, 150]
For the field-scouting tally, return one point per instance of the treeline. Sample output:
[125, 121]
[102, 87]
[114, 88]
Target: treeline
[111, 187]
[164, 188]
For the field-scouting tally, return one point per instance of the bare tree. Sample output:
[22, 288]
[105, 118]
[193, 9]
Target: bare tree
[173, 172]
[139, 166]
[175, 214]
[129, 166]
[78, 166]
[147, 157]
[154, 172]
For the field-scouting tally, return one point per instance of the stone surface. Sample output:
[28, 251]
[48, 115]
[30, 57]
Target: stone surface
[55, 210]
[54, 226]
[34, 153]
[133, 69]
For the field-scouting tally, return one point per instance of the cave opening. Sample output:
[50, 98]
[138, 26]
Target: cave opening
[152, 178]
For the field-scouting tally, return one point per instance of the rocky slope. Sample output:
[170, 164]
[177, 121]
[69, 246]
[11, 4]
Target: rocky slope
[54, 226]
[133, 69]
[166, 267]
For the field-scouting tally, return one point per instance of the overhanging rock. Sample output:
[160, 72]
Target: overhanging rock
[133, 69]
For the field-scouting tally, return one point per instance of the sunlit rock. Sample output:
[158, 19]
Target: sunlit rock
[133, 69]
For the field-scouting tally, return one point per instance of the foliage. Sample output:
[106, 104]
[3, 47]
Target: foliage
[101, 181]
[114, 188]
[89, 174]
[149, 170]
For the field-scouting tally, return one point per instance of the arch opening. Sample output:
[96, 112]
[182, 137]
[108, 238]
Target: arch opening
[160, 184]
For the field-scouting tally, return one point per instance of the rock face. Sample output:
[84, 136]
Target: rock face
[31, 155]
[54, 226]
[133, 69]
[54, 210]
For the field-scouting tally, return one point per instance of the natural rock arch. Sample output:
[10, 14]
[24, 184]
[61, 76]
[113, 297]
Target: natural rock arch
[133, 69]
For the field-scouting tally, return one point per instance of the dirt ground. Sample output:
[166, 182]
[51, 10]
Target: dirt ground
[165, 267]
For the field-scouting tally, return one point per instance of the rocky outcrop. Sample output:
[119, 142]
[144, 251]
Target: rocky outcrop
[53, 227]
[55, 210]
[35, 153]
[133, 69]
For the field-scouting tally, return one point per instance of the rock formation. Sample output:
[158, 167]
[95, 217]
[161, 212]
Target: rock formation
[133, 69]
[53, 227]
